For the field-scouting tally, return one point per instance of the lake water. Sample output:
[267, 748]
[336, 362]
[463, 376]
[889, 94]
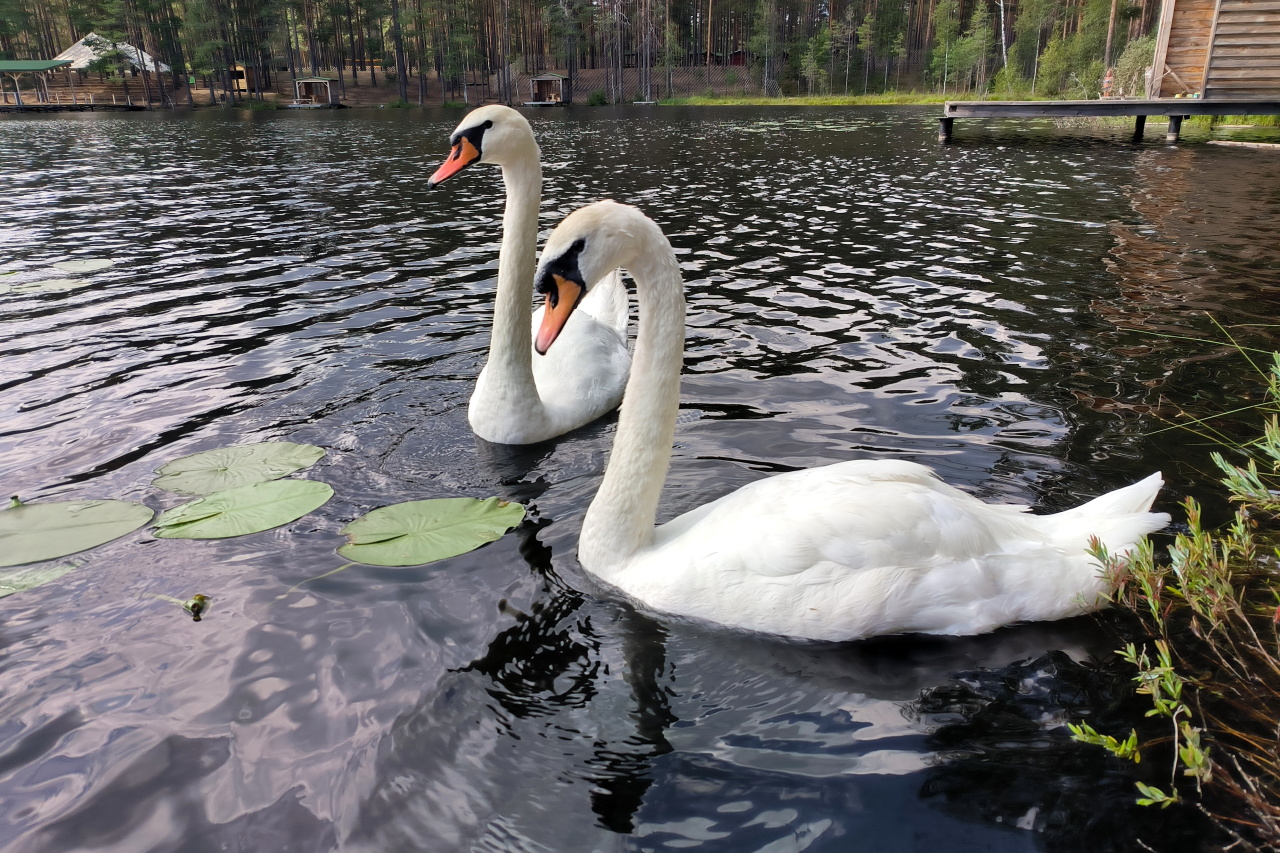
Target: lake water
[1028, 310]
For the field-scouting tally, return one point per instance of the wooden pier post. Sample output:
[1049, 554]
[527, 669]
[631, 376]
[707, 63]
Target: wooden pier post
[944, 128]
[1139, 125]
[1175, 127]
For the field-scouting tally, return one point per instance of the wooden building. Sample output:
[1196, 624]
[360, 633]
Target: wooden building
[313, 92]
[36, 71]
[546, 90]
[1217, 49]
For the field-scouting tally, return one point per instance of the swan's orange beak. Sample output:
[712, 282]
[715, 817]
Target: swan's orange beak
[460, 157]
[560, 304]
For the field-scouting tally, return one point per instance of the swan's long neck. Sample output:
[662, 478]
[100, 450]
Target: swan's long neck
[509, 367]
[620, 519]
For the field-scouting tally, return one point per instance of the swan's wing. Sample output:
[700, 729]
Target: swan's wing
[874, 547]
[607, 302]
[583, 376]
[854, 550]
[860, 515]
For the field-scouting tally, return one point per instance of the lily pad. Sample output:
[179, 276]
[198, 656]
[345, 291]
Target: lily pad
[85, 265]
[45, 531]
[243, 510]
[23, 579]
[46, 285]
[230, 467]
[417, 532]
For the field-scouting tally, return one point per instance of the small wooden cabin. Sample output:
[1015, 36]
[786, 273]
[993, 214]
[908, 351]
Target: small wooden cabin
[314, 91]
[242, 78]
[1217, 49]
[547, 89]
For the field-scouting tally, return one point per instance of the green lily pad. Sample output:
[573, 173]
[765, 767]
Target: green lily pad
[230, 467]
[85, 265]
[23, 579]
[417, 532]
[243, 510]
[45, 531]
[46, 285]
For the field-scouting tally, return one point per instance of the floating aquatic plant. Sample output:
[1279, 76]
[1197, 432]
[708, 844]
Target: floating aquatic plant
[230, 467]
[417, 532]
[33, 532]
[243, 510]
[19, 580]
[84, 265]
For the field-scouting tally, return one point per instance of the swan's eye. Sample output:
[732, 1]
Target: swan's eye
[563, 268]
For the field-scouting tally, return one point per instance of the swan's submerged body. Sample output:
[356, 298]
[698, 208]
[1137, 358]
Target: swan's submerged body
[519, 399]
[841, 552]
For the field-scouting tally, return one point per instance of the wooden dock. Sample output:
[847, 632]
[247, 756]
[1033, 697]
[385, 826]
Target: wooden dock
[67, 108]
[1175, 108]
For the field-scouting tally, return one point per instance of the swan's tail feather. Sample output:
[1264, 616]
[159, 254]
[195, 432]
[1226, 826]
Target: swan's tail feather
[1117, 519]
[607, 302]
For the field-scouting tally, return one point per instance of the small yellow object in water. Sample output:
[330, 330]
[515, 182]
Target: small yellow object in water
[196, 606]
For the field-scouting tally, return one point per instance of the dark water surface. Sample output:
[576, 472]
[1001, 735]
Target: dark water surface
[1015, 310]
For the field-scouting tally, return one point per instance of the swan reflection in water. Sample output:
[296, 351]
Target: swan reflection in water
[588, 725]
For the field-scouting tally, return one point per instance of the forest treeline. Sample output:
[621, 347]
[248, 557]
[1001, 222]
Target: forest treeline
[1009, 48]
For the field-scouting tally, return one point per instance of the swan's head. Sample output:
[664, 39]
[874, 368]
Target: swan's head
[493, 134]
[584, 248]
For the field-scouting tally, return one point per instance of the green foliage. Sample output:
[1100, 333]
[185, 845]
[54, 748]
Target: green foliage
[1035, 18]
[598, 98]
[790, 46]
[30, 533]
[1010, 85]
[243, 510]
[1211, 609]
[229, 467]
[417, 532]
[946, 31]
[20, 580]
[1131, 68]
[813, 66]
[1127, 748]
[1072, 66]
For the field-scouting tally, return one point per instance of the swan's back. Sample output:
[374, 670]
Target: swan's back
[865, 548]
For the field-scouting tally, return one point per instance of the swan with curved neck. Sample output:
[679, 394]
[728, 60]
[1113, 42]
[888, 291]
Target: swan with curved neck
[519, 399]
[839, 552]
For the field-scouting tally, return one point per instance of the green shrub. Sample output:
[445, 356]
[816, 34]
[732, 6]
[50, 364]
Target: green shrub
[1131, 68]
[1212, 663]
[598, 98]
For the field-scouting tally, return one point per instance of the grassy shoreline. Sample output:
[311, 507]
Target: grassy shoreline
[876, 100]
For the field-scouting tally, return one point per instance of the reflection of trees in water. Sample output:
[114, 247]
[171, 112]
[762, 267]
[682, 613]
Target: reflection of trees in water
[1204, 247]
[1007, 757]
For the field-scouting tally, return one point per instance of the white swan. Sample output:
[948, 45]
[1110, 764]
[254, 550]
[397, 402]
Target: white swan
[517, 401]
[840, 552]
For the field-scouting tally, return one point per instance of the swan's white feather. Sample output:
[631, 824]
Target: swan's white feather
[584, 376]
[863, 548]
